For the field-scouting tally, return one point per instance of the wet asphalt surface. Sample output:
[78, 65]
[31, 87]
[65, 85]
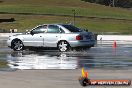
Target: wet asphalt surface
[101, 61]
[102, 56]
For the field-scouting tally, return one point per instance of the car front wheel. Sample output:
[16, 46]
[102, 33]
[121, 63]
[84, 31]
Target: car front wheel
[17, 45]
[63, 46]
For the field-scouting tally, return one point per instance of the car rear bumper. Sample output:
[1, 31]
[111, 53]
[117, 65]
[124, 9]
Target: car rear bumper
[82, 43]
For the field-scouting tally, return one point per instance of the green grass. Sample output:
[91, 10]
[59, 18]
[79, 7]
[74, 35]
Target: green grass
[24, 22]
[65, 7]
[61, 10]
[3, 64]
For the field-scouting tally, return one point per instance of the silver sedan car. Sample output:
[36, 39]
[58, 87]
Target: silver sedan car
[62, 36]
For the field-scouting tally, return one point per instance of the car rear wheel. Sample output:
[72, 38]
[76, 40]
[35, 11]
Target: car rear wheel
[63, 46]
[17, 45]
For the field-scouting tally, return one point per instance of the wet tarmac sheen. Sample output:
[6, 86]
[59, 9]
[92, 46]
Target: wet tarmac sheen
[96, 57]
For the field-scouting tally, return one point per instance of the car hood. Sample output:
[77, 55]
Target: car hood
[17, 34]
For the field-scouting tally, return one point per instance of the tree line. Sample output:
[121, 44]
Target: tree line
[113, 3]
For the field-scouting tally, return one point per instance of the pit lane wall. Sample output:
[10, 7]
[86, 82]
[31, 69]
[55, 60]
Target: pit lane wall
[108, 40]
[8, 34]
[102, 40]
[114, 37]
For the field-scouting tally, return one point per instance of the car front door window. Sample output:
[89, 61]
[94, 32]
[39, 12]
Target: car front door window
[40, 29]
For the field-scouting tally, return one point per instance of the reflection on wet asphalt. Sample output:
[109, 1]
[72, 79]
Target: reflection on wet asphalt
[97, 57]
[41, 60]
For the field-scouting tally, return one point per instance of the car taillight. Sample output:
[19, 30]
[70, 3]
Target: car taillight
[79, 37]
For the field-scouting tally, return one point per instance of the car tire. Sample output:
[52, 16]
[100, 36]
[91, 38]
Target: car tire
[63, 46]
[17, 45]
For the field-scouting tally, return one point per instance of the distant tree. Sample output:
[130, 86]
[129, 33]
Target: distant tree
[124, 3]
[114, 3]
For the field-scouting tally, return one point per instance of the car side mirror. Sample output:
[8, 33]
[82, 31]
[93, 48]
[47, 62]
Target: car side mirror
[31, 32]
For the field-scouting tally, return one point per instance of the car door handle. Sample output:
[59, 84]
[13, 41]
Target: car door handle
[40, 36]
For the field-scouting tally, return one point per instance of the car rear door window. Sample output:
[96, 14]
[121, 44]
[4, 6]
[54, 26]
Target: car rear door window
[72, 28]
[53, 29]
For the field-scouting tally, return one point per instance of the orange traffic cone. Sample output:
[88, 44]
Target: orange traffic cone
[115, 45]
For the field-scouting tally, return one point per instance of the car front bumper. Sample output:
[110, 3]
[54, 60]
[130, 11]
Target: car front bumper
[9, 43]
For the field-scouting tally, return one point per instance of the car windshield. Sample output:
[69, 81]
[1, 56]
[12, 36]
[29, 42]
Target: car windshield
[72, 28]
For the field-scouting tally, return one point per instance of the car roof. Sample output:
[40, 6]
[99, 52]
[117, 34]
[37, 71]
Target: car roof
[55, 24]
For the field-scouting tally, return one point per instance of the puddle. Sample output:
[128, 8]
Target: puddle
[20, 60]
